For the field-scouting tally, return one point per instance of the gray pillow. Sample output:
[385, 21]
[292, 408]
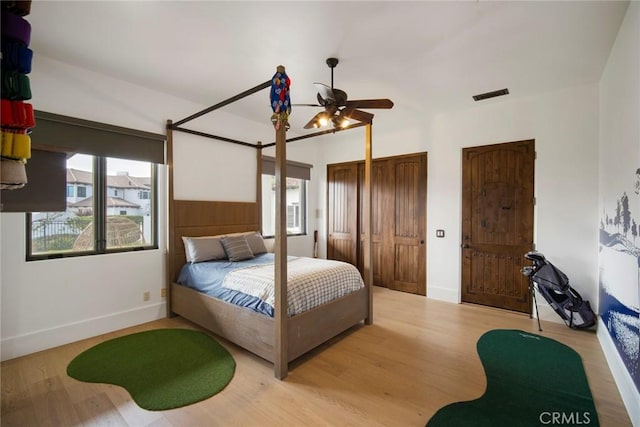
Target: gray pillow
[206, 248]
[256, 243]
[237, 248]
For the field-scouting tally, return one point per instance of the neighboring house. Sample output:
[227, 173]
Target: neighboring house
[126, 195]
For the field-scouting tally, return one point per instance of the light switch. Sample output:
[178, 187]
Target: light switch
[439, 233]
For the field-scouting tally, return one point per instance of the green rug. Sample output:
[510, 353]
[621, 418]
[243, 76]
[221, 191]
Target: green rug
[531, 381]
[161, 369]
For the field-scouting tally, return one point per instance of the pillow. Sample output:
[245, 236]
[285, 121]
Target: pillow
[207, 248]
[256, 243]
[237, 248]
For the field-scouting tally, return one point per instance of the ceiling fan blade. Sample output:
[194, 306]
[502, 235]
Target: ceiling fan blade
[369, 103]
[306, 105]
[312, 123]
[325, 92]
[361, 116]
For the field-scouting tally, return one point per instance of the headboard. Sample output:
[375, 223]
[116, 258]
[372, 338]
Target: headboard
[206, 218]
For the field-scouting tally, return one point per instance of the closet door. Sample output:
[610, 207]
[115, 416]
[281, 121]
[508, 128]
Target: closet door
[381, 206]
[342, 212]
[406, 224]
[399, 203]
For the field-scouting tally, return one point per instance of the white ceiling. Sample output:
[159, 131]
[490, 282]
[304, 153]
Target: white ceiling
[428, 57]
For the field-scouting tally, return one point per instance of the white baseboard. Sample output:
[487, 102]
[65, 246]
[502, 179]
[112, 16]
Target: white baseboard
[628, 390]
[21, 345]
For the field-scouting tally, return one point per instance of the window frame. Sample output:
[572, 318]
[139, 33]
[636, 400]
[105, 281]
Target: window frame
[100, 218]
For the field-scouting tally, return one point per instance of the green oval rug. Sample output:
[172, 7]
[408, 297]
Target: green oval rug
[161, 368]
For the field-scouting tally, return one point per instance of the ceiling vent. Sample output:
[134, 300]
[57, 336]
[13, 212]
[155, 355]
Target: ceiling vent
[491, 94]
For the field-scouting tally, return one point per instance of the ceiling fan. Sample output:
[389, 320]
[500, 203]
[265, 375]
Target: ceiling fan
[338, 109]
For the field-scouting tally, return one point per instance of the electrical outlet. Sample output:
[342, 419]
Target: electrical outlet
[146, 296]
[163, 292]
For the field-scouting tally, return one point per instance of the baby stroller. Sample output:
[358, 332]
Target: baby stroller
[553, 285]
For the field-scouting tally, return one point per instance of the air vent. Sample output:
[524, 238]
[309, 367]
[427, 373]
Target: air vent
[491, 94]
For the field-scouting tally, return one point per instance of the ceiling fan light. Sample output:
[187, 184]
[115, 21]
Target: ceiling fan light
[322, 121]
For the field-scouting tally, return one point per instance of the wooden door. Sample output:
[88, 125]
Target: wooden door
[497, 223]
[381, 207]
[342, 198]
[399, 192]
[406, 224]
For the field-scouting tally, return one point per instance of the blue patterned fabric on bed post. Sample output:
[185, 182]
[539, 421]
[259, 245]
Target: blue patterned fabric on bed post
[280, 330]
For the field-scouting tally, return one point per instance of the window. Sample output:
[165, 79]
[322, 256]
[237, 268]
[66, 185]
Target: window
[107, 159]
[293, 216]
[298, 175]
[98, 223]
[70, 191]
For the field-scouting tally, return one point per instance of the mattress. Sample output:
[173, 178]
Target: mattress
[310, 282]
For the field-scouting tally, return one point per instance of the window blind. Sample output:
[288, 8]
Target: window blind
[69, 134]
[294, 169]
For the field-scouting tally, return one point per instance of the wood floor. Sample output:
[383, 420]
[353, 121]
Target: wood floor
[418, 356]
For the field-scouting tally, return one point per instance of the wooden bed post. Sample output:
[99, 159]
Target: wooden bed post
[259, 183]
[368, 226]
[280, 341]
[171, 244]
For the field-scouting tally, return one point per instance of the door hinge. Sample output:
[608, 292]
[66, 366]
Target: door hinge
[535, 201]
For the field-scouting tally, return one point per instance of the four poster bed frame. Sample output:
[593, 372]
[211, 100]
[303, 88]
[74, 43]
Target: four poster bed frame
[280, 339]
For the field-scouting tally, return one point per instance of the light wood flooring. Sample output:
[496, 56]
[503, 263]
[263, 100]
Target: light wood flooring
[418, 356]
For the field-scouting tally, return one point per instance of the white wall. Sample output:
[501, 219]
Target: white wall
[619, 159]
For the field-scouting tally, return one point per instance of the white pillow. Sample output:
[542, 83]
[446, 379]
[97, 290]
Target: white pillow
[206, 248]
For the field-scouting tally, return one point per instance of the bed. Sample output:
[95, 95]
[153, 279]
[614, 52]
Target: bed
[281, 338]
[243, 326]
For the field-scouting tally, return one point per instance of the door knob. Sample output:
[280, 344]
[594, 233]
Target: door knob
[464, 246]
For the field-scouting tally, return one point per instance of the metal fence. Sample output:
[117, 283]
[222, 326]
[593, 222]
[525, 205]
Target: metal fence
[51, 235]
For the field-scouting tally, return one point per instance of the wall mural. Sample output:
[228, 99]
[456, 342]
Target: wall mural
[620, 272]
